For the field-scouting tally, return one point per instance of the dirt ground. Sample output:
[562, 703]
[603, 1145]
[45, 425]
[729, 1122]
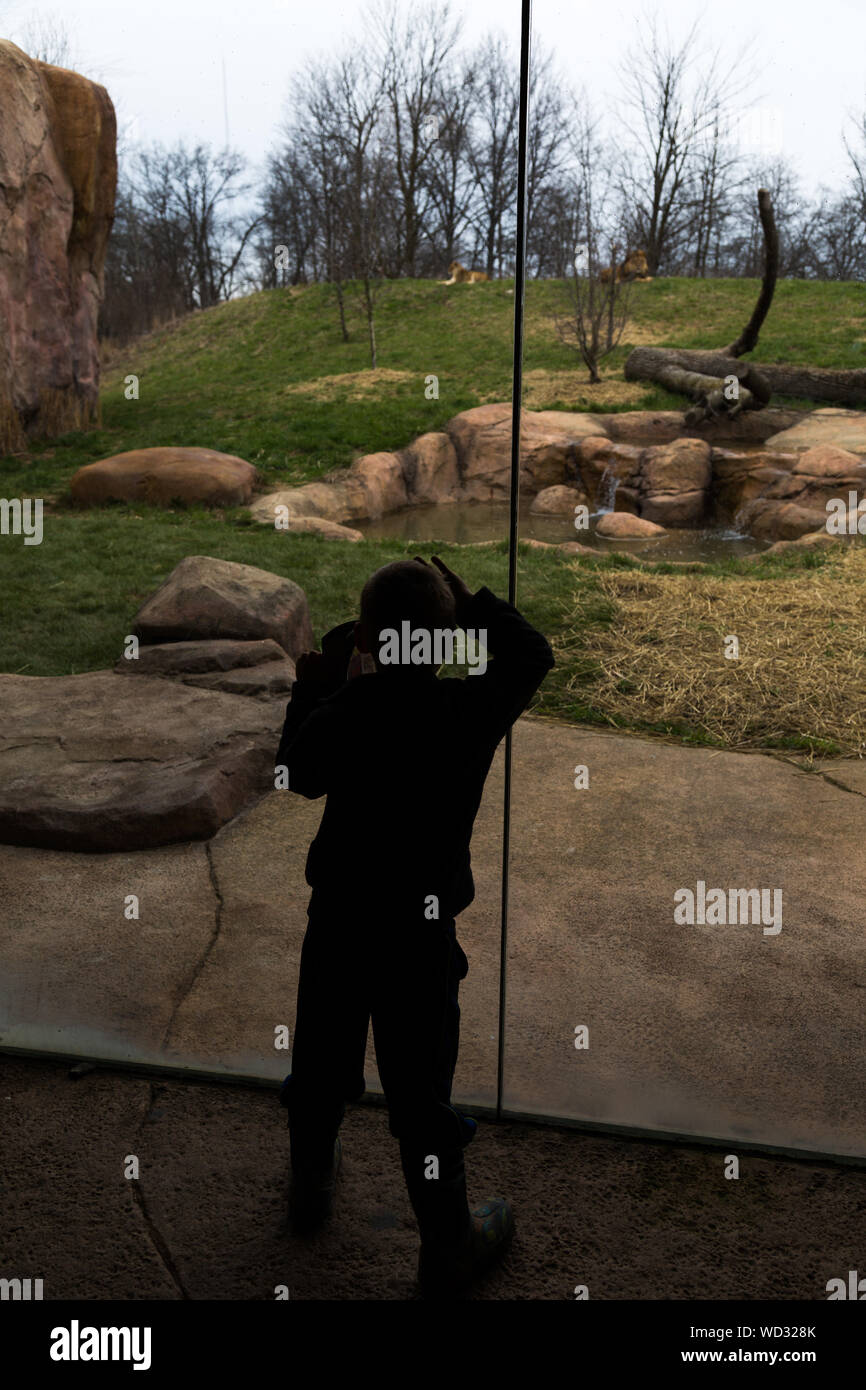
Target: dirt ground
[206, 1218]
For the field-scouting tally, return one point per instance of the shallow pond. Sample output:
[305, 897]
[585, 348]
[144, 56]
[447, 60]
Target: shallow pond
[468, 522]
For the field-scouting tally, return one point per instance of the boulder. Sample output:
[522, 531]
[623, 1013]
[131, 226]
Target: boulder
[844, 429]
[812, 540]
[321, 526]
[164, 476]
[642, 427]
[674, 482]
[559, 500]
[276, 509]
[625, 526]
[683, 466]
[58, 173]
[203, 599]
[680, 510]
[381, 477]
[99, 762]
[598, 457]
[770, 519]
[664, 426]
[575, 548]
[260, 669]
[340, 497]
[738, 478]
[828, 461]
[548, 449]
[430, 469]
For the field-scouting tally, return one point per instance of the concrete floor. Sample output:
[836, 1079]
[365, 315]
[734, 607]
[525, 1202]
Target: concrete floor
[206, 1219]
[706, 1030]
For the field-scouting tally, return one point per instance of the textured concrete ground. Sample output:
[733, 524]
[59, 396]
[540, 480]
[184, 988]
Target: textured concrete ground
[714, 1030]
[206, 1218]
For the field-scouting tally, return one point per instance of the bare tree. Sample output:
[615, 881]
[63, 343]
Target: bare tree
[46, 38]
[412, 50]
[597, 305]
[190, 197]
[493, 149]
[547, 149]
[855, 148]
[447, 176]
[665, 113]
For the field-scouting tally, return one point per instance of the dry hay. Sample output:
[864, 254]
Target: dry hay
[801, 671]
[351, 386]
[543, 389]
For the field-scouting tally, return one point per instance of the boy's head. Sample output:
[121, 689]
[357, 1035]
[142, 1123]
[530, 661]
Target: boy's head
[405, 591]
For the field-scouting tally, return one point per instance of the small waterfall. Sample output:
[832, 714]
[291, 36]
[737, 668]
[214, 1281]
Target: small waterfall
[607, 491]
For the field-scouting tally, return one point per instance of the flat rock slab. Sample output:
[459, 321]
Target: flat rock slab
[102, 762]
[241, 668]
[846, 429]
[205, 599]
[163, 476]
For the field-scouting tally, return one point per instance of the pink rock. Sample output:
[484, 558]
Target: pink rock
[58, 172]
[827, 461]
[165, 476]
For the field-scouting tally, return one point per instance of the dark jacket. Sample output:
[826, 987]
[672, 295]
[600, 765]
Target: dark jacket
[402, 758]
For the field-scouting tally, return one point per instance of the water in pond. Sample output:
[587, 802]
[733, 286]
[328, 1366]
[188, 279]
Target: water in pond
[468, 522]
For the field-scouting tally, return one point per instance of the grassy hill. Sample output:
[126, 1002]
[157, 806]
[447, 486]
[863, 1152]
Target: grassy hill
[270, 378]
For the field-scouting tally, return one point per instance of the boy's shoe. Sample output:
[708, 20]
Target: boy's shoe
[446, 1272]
[468, 1129]
[312, 1194]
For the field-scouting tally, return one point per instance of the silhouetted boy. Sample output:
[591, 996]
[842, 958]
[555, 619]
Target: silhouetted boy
[402, 757]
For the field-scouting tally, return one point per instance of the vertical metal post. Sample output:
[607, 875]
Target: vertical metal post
[516, 392]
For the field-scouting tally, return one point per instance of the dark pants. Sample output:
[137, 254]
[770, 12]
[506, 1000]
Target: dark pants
[404, 976]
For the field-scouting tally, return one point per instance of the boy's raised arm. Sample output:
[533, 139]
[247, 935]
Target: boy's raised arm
[307, 744]
[522, 656]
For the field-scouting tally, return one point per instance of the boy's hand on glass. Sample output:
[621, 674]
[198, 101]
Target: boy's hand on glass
[310, 667]
[460, 590]
[328, 668]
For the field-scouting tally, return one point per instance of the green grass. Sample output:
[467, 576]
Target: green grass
[219, 380]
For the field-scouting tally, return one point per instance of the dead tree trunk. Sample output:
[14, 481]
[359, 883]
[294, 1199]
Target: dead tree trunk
[715, 380]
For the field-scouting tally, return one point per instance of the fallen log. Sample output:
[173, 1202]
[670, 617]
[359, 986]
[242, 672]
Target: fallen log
[707, 377]
[761, 379]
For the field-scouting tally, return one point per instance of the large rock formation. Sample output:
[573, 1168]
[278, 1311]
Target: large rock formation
[795, 504]
[647, 463]
[58, 172]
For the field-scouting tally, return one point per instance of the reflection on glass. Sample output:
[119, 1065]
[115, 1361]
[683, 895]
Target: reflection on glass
[684, 946]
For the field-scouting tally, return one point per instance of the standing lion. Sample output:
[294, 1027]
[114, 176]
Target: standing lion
[461, 276]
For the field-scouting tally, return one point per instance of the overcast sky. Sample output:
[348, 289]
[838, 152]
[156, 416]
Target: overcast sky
[162, 61]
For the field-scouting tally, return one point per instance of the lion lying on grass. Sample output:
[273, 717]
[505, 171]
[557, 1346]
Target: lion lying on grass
[461, 276]
[634, 267]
